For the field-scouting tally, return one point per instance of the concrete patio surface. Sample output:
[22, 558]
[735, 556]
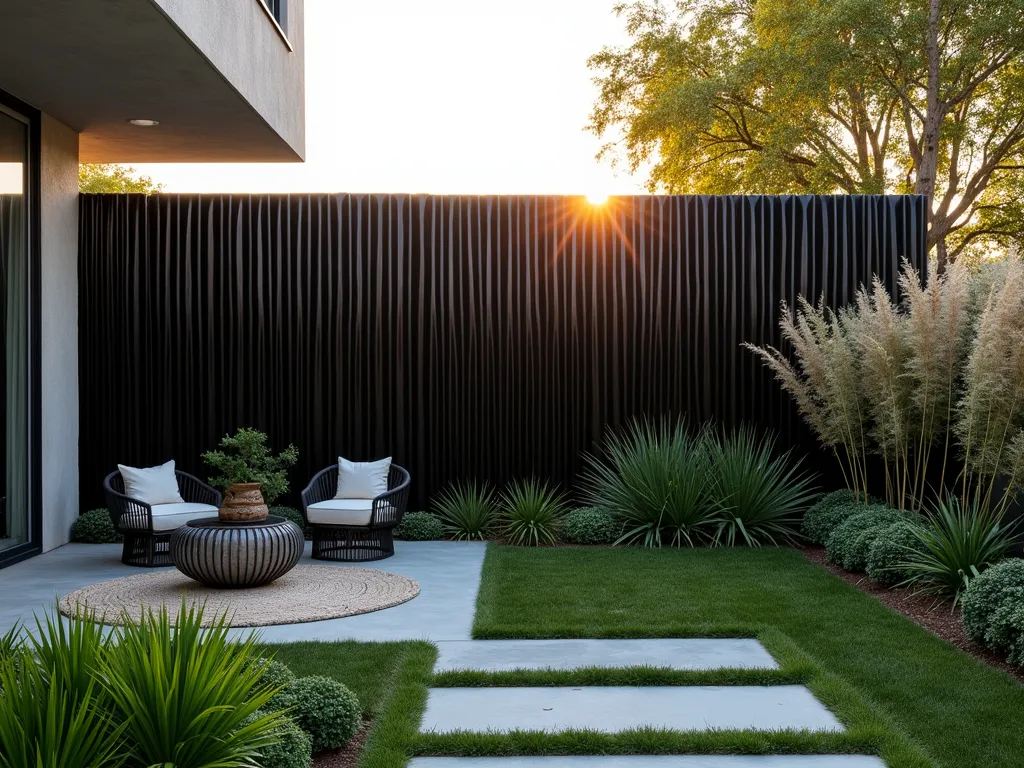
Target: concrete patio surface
[448, 573]
[611, 709]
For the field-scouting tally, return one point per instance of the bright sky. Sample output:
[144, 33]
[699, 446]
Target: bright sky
[450, 96]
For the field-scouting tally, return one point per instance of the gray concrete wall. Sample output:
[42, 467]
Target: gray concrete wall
[59, 329]
[239, 38]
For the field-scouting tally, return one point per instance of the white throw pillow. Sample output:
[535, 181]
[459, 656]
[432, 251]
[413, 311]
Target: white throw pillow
[153, 485]
[362, 479]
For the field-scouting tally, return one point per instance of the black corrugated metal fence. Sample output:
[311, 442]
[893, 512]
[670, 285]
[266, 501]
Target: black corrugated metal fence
[467, 336]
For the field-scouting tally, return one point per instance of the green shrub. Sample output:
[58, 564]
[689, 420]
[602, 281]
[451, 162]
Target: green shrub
[589, 525]
[847, 546]
[989, 603]
[292, 747]
[187, 692]
[292, 514]
[420, 526]
[888, 551]
[325, 709]
[960, 541]
[467, 511]
[532, 514]
[827, 514]
[760, 496]
[657, 482]
[247, 459]
[94, 527]
[275, 675]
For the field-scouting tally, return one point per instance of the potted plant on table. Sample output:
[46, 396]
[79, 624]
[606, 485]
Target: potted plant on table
[252, 477]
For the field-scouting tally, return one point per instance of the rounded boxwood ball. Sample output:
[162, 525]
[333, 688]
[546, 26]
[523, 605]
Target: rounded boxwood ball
[590, 525]
[276, 675]
[845, 545]
[889, 550]
[94, 527]
[990, 603]
[325, 709]
[419, 526]
[826, 515]
[292, 748]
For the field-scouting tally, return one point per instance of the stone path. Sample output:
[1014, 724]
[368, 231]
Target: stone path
[690, 654]
[655, 761]
[611, 709]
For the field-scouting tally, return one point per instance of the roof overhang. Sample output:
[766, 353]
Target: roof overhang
[96, 64]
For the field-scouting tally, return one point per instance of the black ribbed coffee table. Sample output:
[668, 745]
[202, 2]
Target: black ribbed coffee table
[236, 555]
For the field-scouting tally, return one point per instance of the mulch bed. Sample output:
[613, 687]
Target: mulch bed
[939, 618]
[347, 756]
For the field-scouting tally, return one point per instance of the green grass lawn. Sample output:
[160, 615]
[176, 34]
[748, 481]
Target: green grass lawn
[900, 691]
[894, 684]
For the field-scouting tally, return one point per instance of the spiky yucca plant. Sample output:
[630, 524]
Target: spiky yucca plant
[467, 510]
[656, 481]
[761, 495]
[532, 513]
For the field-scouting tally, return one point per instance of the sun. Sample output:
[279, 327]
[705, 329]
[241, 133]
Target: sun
[597, 198]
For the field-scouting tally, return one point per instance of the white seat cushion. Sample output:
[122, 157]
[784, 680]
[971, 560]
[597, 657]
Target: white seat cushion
[340, 512]
[167, 517]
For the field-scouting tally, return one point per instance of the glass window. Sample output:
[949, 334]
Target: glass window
[14, 264]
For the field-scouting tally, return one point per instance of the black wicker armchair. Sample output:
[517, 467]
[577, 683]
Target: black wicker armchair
[356, 530]
[147, 535]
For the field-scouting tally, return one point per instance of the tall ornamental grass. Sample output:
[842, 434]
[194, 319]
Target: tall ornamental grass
[938, 374]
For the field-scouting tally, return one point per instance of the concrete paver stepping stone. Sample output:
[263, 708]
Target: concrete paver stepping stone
[681, 653]
[611, 709]
[655, 761]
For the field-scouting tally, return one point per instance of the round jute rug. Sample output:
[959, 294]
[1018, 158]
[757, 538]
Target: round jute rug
[306, 593]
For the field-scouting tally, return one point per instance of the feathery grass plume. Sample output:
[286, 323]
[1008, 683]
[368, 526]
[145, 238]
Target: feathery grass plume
[824, 381]
[939, 332]
[990, 415]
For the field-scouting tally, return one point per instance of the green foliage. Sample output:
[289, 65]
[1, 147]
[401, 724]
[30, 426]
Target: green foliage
[276, 675]
[716, 97]
[98, 178]
[324, 708]
[990, 603]
[848, 544]
[960, 541]
[94, 527]
[419, 526]
[292, 747]
[656, 481]
[827, 513]
[467, 511]
[188, 694]
[292, 514]
[761, 496]
[532, 513]
[589, 525]
[48, 722]
[247, 459]
[888, 550]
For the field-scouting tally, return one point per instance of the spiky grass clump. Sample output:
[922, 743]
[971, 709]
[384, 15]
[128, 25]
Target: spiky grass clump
[960, 541]
[656, 481]
[761, 495]
[532, 513]
[467, 511]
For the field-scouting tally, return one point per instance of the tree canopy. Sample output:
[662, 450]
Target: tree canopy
[118, 179]
[827, 96]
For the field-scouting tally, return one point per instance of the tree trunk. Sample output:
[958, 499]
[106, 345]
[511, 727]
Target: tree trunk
[929, 163]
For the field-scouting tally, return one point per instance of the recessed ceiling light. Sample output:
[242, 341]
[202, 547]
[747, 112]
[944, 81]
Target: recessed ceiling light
[144, 122]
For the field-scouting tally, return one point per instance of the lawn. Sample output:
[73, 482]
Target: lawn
[901, 692]
[884, 676]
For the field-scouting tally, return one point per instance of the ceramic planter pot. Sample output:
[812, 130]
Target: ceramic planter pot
[243, 502]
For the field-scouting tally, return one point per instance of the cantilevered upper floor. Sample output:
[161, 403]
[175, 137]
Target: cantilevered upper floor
[224, 79]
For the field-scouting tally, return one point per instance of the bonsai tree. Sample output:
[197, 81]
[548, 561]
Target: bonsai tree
[245, 458]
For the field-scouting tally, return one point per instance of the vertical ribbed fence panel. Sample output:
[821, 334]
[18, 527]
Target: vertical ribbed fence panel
[466, 336]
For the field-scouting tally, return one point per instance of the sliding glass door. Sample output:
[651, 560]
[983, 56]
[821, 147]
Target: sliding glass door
[18, 528]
